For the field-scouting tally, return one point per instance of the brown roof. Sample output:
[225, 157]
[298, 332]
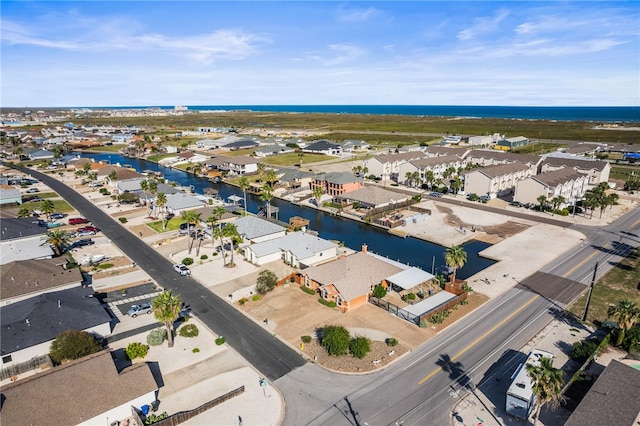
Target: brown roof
[423, 163]
[584, 164]
[505, 157]
[121, 172]
[557, 177]
[446, 150]
[614, 399]
[74, 392]
[353, 275]
[500, 169]
[26, 277]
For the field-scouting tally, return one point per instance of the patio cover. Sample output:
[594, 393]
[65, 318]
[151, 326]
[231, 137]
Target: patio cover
[429, 303]
[410, 278]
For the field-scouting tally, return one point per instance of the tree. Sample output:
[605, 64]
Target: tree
[191, 218]
[266, 281]
[317, 194]
[166, 309]
[216, 218]
[113, 175]
[543, 202]
[144, 186]
[230, 231]
[153, 189]
[161, 202]
[267, 196]
[456, 184]
[429, 178]
[73, 344]
[556, 202]
[58, 238]
[627, 314]
[243, 183]
[455, 257]
[547, 384]
[379, 291]
[271, 177]
[24, 212]
[335, 339]
[47, 207]
[86, 168]
[360, 347]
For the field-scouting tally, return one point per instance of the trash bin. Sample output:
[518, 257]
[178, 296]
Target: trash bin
[145, 409]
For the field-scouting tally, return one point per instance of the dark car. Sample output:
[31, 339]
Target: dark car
[83, 242]
[58, 215]
[88, 229]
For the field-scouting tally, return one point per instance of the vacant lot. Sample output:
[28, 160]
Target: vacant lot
[622, 282]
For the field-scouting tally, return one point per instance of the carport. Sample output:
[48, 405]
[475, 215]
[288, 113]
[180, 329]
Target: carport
[408, 279]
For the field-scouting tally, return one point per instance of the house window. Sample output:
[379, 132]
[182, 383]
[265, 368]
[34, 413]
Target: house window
[306, 280]
[6, 359]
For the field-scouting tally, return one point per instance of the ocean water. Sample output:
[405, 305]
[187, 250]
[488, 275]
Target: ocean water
[591, 113]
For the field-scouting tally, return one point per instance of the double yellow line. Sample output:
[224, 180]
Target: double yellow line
[475, 342]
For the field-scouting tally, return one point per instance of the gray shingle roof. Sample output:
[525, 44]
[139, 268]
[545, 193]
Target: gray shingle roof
[251, 227]
[557, 177]
[35, 276]
[374, 195]
[301, 244]
[41, 318]
[614, 399]
[182, 201]
[19, 228]
[338, 178]
[500, 169]
[575, 163]
[401, 156]
[423, 163]
[74, 392]
[321, 145]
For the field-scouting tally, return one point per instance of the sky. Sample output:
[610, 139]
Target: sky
[151, 53]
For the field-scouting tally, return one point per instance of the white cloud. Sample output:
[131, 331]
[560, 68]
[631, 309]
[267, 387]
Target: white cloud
[483, 26]
[356, 14]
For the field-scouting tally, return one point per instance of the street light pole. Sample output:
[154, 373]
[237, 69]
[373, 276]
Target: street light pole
[593, 282]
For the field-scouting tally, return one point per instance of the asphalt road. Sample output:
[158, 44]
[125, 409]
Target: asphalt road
[265, 352]
[423, 387]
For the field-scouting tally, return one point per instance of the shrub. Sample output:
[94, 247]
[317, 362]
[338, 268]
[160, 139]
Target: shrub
[266, 281]
[220, 340]
[204, 257]
[122, 219]
[187, 261]
[379, 291]
[582, 350]
[391, 341]
[242, 301]
[156, 336]
[215, 253]
[439, 317]
[255, 298]
[424, 323]
[466, 287]
[330, 304]
[409, 296]
[136, 350]
[464, 302]
[306, 339]
[104, 266]
[308, 290]
[360, 347]
[188, 330]
[152, 418]
[73, 344]
[195, 350]
[335, 339]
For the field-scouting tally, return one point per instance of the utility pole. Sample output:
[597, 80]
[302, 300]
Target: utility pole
[593, 282]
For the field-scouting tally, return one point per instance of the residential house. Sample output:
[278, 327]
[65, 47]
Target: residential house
[30, 325]
[241, 144]
[614, 399]
[484, 140]
[351, 145]
[120, 173]
[411, 148]
[133, 185]
[439, 151]
[23, 239]
[297, 249]
[438, 165]
[566, 183]
[255, 230]
[10, 195]
[508, 144]
[495, 181]
[484, 157]
[41, 154]
[275, 149]
[349, 280]
[387, 166]
[20, 280]
[294, 179]
[323, 146]
[207, 144]
[337, 183]
[373, 196]
[239, 165]
[87, 391]
[121, 138]
[596, 171]
[179, 202]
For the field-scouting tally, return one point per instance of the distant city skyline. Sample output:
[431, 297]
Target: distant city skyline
[122, 53]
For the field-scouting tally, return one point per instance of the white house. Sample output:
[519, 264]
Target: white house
[597, 171]
[566, 183]
[254, 229]
[495, 181]
[386, 166]
[437, 165]
[297, 249]
[323, 147]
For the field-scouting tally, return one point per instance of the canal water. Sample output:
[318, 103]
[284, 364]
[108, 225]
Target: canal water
[353, 234]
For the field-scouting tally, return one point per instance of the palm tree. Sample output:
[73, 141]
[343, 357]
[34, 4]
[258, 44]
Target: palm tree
[455, 257]
[217, 232]
[217, 214]
[547, 384]
[271, 177]
[557, 202]
[161, 202]
[113, 175]
[47, 207]
[191, 217]
[261, 169]
[153, 189]
[58, 238]
[543, 201]
[267, 195]
[429, 177]
[456, 184]
[144, 186]
[24, 212]
[230, 231]
[317, 194]
[243, 183]
[627, 314]
[166, 308]
[300, 158]
[86, 168]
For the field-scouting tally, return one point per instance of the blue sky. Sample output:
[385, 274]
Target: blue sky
[347, 53]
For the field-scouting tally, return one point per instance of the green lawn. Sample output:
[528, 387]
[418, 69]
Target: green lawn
[105, 148]
[172, 225]
[157, 158]
[623, 172]
[620, 283]
[538, 148]
[292, 158]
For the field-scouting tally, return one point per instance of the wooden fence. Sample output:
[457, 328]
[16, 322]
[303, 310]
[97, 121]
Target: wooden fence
[34, 363]
[183, 416]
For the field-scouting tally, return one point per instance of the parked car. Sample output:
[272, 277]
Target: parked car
[58, 215]
[516, 204]
[436, 194]
[181, 269]
[32, 190]
[184, 226]
[77, 221]
[95, 184]
[484, 198]
[85, 233]
[88, 229]
[83, 242]
[49, 224]
[33, 199]
[135, 310]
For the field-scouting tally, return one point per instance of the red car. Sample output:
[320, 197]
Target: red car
[77, 221]
[88, 229]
